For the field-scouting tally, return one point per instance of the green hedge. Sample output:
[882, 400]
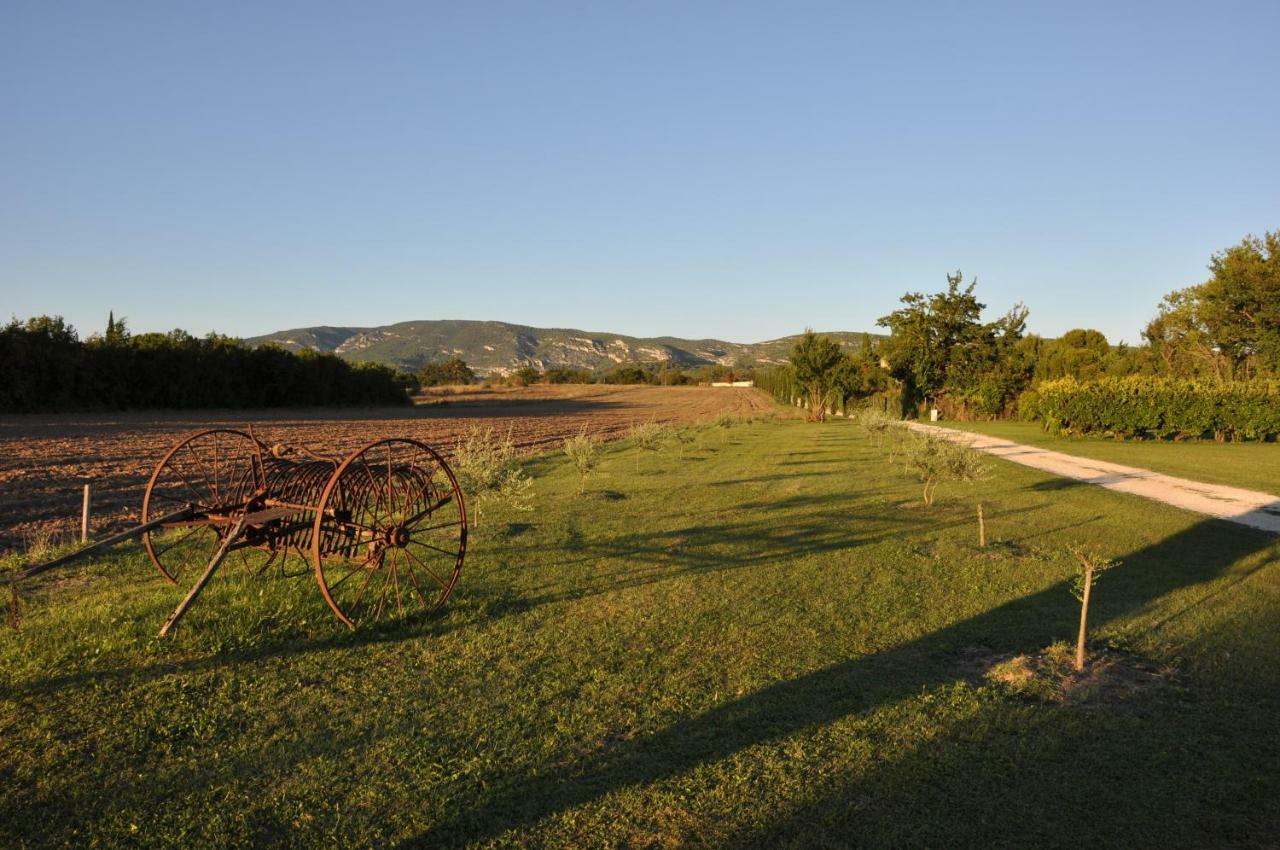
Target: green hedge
[45, 367]
[1165, 408]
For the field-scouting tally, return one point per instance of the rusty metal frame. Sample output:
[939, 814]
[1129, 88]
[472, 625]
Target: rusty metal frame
[280, 504]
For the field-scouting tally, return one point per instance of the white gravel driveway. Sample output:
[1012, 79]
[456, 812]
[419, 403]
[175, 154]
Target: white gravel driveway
[1247, 507]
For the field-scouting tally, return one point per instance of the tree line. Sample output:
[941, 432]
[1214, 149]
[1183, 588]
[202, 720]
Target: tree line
[941, 353]
[47, 367]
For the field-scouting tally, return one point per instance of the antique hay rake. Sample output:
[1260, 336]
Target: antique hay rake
[384, 530]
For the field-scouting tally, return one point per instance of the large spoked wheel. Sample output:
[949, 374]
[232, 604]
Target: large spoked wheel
[390, 533]
[215, 473]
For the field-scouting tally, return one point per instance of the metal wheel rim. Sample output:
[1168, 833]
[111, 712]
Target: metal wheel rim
[413, 568]
[156, 547]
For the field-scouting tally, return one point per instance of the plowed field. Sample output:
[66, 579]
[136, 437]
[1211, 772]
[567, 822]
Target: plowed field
[45, 459]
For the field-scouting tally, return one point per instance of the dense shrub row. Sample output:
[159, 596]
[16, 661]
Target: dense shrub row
[1166, 408]
[45, 367]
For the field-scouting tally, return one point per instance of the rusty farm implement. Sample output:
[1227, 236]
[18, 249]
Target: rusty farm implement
[384, 530]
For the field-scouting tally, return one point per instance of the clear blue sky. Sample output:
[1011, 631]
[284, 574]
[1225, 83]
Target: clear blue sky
[737, 170]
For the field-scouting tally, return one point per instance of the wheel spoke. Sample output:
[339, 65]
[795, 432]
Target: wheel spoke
[360, 594]
[429, 571]
[413, 577]
[356, 569]
[182, 538]
[190, 486]
[430, 509]
[374, 491]
[395, 577]
[455, 523]
[216, 469]
[453, 554]
[203, 473]
[391, 493]
[382, 599]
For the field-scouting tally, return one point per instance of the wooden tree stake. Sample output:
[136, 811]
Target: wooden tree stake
[1084, 615]
[84, 513]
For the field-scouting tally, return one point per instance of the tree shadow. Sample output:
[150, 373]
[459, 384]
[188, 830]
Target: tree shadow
[1192, 557]
[825, 526]
[1054, 484]
[489, 607]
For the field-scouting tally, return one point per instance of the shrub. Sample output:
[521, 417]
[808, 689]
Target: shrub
[583, 452]
[567, 376]
[490, 470]
[875, 422]
[936, 459]
[452, 371]
[648, 437]
[1168, 408]
[1029, 406]
[626, 373]
[684, 437]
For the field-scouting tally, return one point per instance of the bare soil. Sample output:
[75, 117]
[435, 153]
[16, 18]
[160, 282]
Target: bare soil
[46, 458]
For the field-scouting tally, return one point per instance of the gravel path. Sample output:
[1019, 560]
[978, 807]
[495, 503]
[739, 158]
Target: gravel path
[1247, 507]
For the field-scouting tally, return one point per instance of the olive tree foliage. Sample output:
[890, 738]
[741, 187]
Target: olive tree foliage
[937, 460]
[583, 451]
[491, 471]
[940, 347]
[1227, 328]
[649, 437]
[876, 424]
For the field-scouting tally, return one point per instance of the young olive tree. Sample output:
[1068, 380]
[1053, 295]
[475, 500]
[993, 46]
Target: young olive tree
[937, 460]
[647, 437]
[875, 423]
[1088, 566]
[491, 471]
[684, 437]
[583, 451]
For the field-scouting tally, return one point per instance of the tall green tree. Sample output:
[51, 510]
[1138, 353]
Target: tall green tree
[939, 346]
[117, 331]
[817, 362]
[452, 371]
[1241, 304]
[1229, 326]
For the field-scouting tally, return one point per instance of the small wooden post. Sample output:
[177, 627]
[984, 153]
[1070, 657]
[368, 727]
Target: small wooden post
[982, 528]
[84, 513]
[1084, 615]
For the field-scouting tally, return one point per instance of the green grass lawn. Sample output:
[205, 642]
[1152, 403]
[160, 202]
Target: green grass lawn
[1254, 466]
[770, 643]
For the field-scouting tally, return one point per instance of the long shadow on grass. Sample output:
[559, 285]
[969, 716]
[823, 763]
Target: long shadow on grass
[660, 556]
[1191, 557]
[481, 606]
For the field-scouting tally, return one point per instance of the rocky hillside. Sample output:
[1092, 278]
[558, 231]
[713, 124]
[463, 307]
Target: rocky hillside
[499, 347]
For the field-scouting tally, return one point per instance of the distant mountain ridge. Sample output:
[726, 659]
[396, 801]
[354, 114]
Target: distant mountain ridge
[501, 347]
